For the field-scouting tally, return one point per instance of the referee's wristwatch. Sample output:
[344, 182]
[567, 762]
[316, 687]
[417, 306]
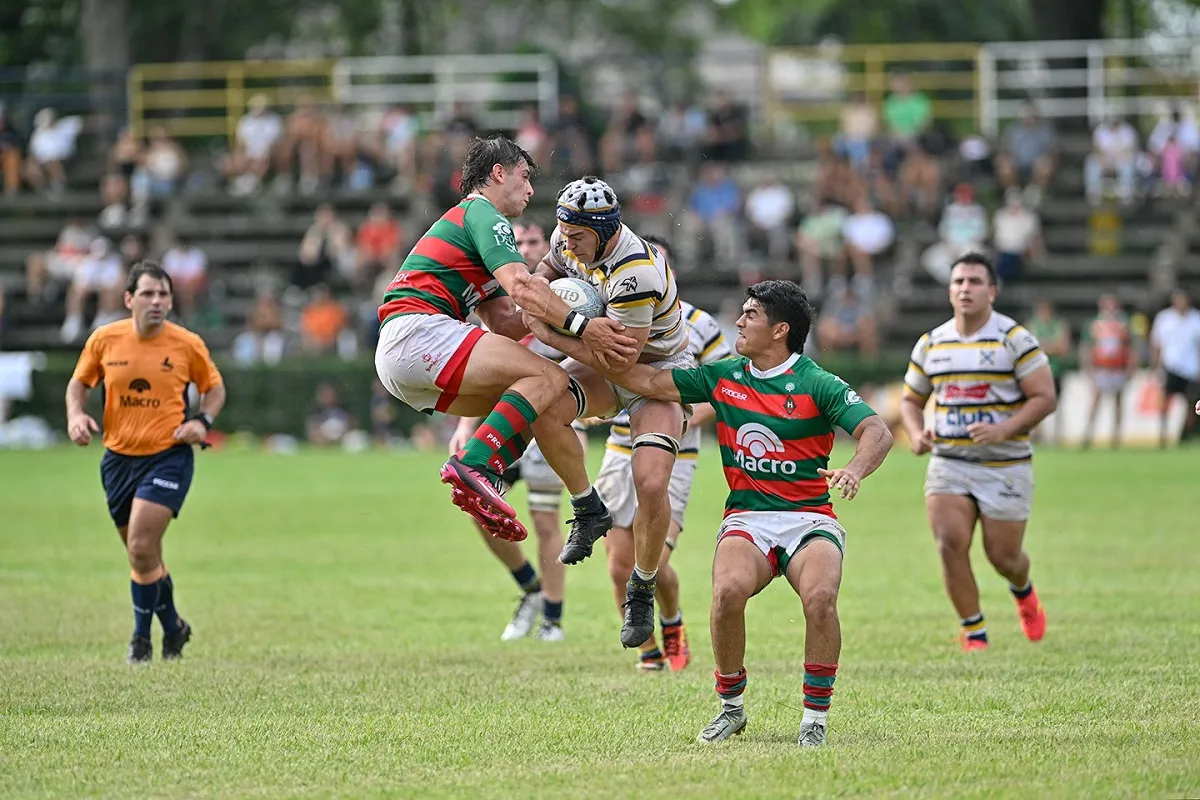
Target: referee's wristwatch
[205, 420]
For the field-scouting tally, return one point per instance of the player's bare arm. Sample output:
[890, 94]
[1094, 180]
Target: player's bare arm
[80, 426]
[702, 414]
[874, 442]
[642, 379]
[912, 414]
[532, 293]
[194, 431]
[1040, 401]
[501, 316]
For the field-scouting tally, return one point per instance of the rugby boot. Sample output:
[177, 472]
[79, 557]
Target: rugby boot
[639, 612]
[590, 523]
[1033, 617]
[479, 493]
[141, 651]
[730, 722]
[812, 734]
[523, 618]
[172, 645]
[675, 646]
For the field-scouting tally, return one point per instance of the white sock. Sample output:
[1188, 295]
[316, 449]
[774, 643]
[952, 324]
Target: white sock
[675, 620]
[734, 702]
[812, 715]
[582, 494]
[643, 575]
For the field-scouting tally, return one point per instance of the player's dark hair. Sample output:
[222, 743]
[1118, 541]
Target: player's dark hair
[977, 259]
[150, 268]
[522, 223]
[487, 153]
[785, 301]
[659, 242]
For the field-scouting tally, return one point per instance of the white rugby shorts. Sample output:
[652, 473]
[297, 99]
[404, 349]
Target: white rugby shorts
[615, 485]
[421, 358]
[779, 535]
[1002, 493]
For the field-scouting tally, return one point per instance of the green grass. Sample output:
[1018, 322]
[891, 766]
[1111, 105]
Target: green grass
[347, 644]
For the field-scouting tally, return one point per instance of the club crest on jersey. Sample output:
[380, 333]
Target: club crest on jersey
[628, 284]
[737, 376]
[789, 405]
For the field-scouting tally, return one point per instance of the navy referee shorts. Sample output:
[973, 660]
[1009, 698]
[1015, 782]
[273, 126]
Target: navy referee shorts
[163, 478]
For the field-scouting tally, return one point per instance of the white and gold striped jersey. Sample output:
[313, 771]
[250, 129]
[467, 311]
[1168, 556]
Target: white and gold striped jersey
[975, 379]
[637, 284]
[707, 343]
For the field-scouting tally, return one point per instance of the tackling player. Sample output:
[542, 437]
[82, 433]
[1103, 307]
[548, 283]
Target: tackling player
[539, 594]
[431, 358]
[591, 243]
[146, 364]
[776, 412]
[615, 484]
[992, 385]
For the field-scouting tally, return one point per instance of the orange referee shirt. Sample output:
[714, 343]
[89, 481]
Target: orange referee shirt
[145, 382]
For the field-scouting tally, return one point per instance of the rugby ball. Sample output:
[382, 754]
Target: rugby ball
[582, 296]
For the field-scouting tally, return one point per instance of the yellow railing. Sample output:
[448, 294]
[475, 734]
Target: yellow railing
[195, 99]
[812, 84]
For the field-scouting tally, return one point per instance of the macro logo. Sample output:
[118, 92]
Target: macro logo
[140, 386]
[756, 445]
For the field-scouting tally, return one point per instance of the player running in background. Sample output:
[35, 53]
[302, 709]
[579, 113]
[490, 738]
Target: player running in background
[992, 385]
[776, 412]
[615, 484]
[542, 594]
[431, 358]
[592, 244]
[146, 364]
[1107, 355]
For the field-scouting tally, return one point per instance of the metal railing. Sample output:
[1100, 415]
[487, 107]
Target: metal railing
[206, 99]
[813, 84]
[1085, 79]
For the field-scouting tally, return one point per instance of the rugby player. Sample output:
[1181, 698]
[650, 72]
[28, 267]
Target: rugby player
[615, 484]
[992, 385]
[146, 364]
[592, 244]
[431, 358]
[776, 412]
[542, 594]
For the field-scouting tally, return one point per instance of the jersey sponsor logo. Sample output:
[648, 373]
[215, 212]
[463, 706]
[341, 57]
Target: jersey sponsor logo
[755, 445]
[503, 234]
[852, 397]
[116, 363]
[736, 395]
[957, 418]
[978, 391]
[165, 484]
[139, 385]
[472, 296]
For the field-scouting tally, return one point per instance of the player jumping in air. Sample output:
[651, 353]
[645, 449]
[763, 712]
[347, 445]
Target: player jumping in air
[616, 487]
[776, 411]
[146, 364]
[992, 385]
[592, 244]
[431, 358]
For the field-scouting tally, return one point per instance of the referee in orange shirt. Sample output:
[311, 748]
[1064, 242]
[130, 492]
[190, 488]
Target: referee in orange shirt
[146, 364]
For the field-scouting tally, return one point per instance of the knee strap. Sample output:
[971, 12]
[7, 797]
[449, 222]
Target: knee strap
[657, 440]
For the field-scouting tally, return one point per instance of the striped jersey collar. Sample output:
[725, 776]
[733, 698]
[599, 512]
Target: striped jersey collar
[775, 372]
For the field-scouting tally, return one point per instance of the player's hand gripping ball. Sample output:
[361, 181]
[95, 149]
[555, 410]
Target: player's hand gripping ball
[583, 298]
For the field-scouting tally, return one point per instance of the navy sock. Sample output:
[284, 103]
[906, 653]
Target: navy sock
[527, 578]
[1021, 594]
[145, 598]
[165, 610]
[552, 612]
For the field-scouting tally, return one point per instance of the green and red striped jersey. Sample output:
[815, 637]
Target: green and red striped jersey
[775, 428]
[449, 270]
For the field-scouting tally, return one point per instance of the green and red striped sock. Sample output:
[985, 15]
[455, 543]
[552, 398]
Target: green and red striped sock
[818, 689]
[499, 441]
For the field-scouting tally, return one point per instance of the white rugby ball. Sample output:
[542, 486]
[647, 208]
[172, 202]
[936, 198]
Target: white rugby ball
[582, 296]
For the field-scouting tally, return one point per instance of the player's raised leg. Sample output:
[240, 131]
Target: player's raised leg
[1002, 542]
[150, 584]
[952, 519]
[740, 571]
[656, 429]
[588, 395]
[815, 572]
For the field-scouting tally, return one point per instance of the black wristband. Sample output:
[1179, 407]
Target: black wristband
[205, 420]
[575, 322]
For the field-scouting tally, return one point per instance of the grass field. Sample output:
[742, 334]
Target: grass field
[347, 644]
